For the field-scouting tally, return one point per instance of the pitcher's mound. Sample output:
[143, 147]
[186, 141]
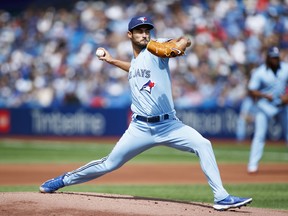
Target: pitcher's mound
[63, 203]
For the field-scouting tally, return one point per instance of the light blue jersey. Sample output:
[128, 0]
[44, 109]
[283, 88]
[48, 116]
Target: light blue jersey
[150, 83]
[264, 80]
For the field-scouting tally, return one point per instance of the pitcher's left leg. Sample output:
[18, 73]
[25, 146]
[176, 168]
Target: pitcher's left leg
[135, 140]
[132, 143]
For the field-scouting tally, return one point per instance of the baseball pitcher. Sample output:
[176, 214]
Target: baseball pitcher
[154, 120]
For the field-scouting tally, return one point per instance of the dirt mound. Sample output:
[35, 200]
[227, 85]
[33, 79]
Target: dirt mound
[88, 204]
[63, 203]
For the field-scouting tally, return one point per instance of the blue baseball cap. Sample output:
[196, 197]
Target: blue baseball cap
[273, 52]
[138, 21]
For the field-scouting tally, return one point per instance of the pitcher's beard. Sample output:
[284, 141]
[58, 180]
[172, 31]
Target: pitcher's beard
[143, 45]
[140, 45]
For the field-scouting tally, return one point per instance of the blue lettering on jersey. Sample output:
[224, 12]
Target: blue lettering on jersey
[139, 73]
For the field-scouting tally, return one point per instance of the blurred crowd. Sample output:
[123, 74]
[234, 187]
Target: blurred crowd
[47, 56]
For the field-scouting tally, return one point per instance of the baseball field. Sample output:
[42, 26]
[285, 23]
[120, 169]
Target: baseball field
[160, 181]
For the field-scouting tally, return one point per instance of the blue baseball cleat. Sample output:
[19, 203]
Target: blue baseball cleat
[52, 185]
[231, 202]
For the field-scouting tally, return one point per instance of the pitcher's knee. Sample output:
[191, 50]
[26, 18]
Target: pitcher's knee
[205, 144]
[203, 148]
[111, 166]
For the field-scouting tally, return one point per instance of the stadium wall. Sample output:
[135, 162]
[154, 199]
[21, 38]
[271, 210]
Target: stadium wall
[212, 123]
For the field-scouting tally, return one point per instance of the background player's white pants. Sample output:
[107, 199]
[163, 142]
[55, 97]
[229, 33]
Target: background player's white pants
[247, 110]
[141, 136]
[258, 142]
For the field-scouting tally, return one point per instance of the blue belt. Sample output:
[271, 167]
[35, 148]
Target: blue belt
[152, 119]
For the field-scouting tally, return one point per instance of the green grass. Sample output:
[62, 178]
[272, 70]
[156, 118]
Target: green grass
[17, 151]
[265, 195]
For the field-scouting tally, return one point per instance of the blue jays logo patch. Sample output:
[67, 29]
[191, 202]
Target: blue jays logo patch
[142, 19]
[148, 86]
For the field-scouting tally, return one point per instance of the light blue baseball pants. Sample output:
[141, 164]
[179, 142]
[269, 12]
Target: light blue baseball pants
[141, 136]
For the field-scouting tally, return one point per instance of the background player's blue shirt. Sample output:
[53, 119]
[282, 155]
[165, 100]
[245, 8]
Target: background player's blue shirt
[150, 83]
[266, 81]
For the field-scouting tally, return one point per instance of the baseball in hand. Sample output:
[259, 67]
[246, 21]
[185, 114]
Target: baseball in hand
[100, 53]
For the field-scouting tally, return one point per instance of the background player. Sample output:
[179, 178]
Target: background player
[267, 85]
[154, 120]
[245, 118]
